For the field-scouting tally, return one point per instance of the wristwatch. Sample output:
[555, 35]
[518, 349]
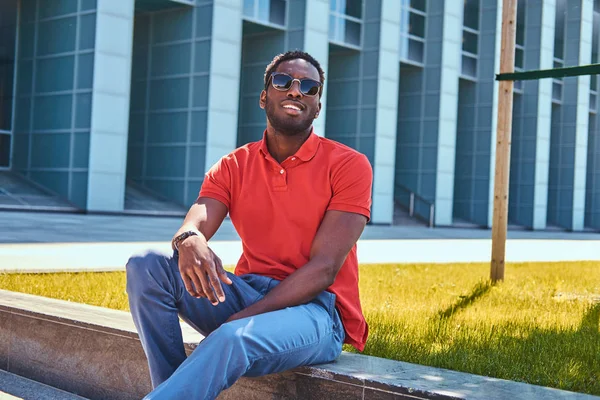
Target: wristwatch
[181, 237]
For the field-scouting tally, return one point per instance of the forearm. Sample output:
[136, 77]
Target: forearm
[300, 287]
[204, 218]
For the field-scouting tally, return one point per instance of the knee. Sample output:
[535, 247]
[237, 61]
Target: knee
[140, 270]
[232, 336]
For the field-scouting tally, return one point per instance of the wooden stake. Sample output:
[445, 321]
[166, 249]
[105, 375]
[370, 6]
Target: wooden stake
[503, 140]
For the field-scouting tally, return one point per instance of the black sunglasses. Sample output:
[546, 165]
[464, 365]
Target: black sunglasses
[283, 82]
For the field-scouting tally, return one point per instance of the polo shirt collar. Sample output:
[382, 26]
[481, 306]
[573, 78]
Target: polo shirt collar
[305, 153]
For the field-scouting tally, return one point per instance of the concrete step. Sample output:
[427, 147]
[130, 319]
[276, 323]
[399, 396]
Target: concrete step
[14, 387]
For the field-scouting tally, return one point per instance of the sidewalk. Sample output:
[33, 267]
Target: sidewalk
[37, 242]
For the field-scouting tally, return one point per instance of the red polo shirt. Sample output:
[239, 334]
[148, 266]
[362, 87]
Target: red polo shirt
[278, 208]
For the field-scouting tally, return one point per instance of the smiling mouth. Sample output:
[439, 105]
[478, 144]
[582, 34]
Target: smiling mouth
[292, 107]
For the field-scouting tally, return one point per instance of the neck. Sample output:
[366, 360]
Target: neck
[282, 146]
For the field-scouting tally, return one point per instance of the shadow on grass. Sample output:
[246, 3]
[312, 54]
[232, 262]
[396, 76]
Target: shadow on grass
[567, 359]
[480, 289]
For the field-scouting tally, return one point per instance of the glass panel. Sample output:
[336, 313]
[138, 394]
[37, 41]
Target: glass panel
[559, 31]
[4, 150]
[354, 8]
[519, 55]
[521, 22]
[518, 86]
[249, 8]
[471, 14]
[597, 5]
[263, 10]
[352, 33]
[593, 99]
[594, 83]
[416, 51]
[333, 5]
[469, 66]
[332, 27]
[404, 20]
[8, 21]
[470, 42]
[596, 37]
[278, 12]
[557, 91]
[418, 5]
[417, 25]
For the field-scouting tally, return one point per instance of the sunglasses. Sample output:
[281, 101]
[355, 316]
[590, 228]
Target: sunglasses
[283, 82]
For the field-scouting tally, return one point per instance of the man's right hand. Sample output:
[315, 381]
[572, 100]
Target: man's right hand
[202, 270]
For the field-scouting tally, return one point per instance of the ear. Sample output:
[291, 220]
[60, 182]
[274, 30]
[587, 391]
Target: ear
[318, 111]
[263, 99]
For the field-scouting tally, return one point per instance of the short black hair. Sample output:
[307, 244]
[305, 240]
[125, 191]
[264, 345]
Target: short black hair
[293, 55]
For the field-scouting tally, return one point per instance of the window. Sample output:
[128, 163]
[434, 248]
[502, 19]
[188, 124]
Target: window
[520, 44]
[559, 48]
[266, 11]
[412, 31]
[595, 50]
[470, 39]
[345, 22]
[8, 34]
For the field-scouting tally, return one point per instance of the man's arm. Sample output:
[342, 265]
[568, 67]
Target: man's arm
[336, 236]
[201, 269]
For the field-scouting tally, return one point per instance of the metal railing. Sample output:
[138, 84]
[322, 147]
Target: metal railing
[415, 211]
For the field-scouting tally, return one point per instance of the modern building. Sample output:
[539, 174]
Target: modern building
[122, 105]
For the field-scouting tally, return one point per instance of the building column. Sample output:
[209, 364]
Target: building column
[316, 43]
[110, 105]
[386, 112]
[447, 107]
[530, 149]
[569, 138]
[225, 60]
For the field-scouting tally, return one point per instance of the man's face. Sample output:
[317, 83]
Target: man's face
[291, 112]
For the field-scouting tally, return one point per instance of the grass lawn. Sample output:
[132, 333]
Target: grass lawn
[540, 326]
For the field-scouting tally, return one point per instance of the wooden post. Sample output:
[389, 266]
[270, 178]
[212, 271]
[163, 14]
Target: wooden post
[502, 170]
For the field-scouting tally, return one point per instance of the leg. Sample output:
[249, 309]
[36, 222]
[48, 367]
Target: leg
[157, 297]
[256, 346]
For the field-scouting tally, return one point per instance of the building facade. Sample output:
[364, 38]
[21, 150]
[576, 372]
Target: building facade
[122, 106]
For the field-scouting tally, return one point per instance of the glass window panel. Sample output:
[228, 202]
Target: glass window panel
[4, 150]
[405, 21]
[593, 99]
[519, 57]
[249, 8]
[559, 30]
[278, 12]
[518, 86]
[416, 51]
[597, 5]
[333, 5]
[354, 8]
[404, 47]
[471, 17]
[263, 10]
[332, 27]
[352, 33]
[418, 5]
[557, 91]
[417, 25]
[521, 22]
[8, 22]
[596, 38]
[470, 42]
[469, 66]
[594, 83]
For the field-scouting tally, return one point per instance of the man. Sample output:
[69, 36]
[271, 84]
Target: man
[299, 203]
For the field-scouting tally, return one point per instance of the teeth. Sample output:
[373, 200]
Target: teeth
[292, 107]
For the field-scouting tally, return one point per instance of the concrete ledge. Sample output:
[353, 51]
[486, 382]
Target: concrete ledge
[95, 353]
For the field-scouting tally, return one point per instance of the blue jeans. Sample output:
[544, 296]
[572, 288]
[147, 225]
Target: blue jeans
[307, 334]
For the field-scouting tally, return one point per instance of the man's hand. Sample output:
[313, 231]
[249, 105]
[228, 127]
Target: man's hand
[201, 270]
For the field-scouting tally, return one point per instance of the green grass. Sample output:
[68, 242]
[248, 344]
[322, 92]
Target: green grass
[540, 326]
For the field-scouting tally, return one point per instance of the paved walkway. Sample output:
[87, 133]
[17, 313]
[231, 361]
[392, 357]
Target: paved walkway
[38, 242]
